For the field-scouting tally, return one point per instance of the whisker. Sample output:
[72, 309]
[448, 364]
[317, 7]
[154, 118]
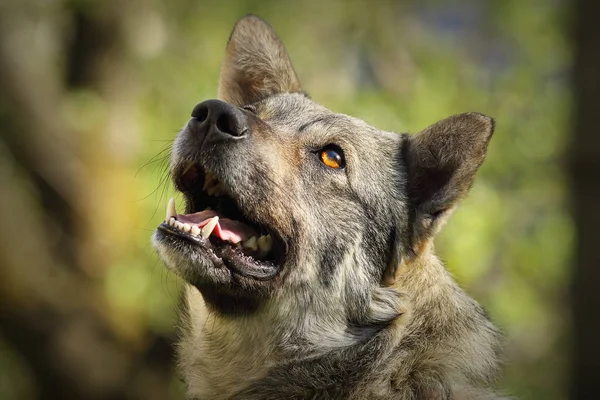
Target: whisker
[159, 157]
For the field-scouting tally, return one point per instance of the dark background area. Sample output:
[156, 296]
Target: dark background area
[92, 93]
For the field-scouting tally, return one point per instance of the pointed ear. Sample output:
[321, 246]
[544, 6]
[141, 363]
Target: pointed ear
[256, 64]
[442, 161]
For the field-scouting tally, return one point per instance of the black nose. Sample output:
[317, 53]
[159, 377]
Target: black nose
[215, 117]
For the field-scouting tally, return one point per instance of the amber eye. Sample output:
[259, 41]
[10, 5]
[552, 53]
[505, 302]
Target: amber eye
[333, 158]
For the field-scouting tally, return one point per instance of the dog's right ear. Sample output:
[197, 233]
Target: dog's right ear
[442, 161]
[256, 64]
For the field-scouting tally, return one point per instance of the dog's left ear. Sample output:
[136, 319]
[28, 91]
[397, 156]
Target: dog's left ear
[256, 64]
[442, 161]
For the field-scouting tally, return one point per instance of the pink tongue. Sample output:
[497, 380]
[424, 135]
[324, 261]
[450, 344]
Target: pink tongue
[226, 229]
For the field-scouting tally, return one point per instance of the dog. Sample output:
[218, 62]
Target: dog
[306, 245]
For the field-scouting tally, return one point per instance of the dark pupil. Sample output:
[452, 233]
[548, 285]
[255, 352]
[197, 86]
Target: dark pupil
[333, 155]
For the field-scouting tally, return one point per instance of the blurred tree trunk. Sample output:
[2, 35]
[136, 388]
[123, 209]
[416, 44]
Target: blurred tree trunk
[585, 181]
[51, 311]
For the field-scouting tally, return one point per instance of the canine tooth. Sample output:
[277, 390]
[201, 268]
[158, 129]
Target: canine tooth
[186, 227]
[265, 243]
[218, 190]
[172, 221]
[171, 210]
[251, 243]
[208, 228]
[187, 168]
[195, 230]
[208, 181]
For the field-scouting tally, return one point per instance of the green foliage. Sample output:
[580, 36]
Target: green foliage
[510, 242]
[400, 67]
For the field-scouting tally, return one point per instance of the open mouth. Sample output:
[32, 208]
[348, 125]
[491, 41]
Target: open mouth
[216, 224]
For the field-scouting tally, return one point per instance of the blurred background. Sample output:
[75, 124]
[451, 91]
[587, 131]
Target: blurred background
[92, 93]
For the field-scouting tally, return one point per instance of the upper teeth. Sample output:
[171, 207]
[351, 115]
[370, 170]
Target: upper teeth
[217, 190]
[265, 243]
[171, 210]
[212, 186]
[251, 243]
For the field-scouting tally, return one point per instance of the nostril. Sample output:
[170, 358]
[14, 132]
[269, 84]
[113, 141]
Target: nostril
[218, 117]
[224, 125]
[201, 113]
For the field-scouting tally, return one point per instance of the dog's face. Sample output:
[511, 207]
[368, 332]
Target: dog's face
[290, 203]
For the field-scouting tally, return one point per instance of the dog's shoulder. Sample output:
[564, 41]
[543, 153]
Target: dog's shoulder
[449, 347]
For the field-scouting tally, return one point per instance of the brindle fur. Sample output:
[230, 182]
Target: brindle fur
[362, 308]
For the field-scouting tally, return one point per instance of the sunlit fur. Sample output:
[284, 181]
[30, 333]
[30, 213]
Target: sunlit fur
[362, 308]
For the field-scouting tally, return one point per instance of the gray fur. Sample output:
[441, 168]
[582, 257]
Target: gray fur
[362, 308]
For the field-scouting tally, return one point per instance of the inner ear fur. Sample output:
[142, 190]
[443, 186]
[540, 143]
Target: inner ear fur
[256, 64]
[442, 161]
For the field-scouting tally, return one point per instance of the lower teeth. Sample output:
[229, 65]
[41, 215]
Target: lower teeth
[252, 247]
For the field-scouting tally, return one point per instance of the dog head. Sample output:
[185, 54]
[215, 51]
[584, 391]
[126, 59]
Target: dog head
[292, 206]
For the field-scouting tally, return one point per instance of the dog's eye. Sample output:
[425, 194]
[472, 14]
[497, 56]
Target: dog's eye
[332, 157]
